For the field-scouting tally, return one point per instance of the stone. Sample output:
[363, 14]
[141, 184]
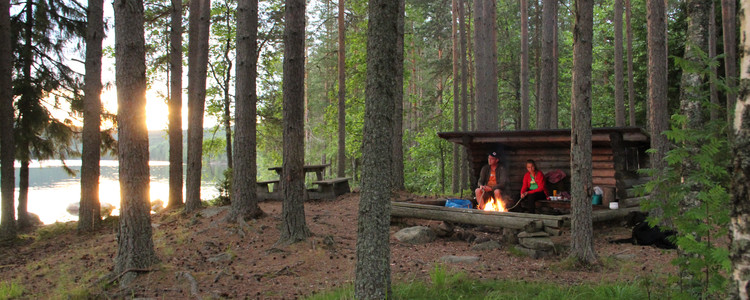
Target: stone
[416, 235]
[214, 210]
[221, 257]
[535, 254]
[537, 243]
[459, 259]
[464, 236]
[627, 257]
[510, 236]
[525, 234]
[444, 229]
[482, 239]
[490, 245]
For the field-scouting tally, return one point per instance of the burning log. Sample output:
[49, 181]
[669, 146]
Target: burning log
[474, 216]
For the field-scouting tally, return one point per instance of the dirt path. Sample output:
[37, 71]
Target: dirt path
[238, 261]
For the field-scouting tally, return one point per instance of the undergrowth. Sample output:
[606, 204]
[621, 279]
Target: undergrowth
[449, 285]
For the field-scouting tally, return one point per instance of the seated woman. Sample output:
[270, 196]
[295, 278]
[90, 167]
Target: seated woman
[533, 187]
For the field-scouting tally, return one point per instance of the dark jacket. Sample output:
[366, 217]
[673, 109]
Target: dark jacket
[501, 176]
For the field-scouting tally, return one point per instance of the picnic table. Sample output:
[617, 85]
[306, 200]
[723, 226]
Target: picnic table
[317, 169]
[326, 189]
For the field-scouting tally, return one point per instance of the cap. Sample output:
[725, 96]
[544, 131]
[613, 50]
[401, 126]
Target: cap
[495, 154]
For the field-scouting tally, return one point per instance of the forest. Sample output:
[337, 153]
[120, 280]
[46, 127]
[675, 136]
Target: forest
[365, 87]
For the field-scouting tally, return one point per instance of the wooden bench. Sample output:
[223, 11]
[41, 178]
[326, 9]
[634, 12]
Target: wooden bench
[266, 192]
[330, 189]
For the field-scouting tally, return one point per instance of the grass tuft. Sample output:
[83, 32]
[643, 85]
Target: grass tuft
[10, 290]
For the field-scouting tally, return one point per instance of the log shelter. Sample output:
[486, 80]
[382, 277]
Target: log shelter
[617, 154]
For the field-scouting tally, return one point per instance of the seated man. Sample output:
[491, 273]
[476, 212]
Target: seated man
[492, 180]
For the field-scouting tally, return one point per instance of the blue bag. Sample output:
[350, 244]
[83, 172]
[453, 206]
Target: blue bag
[459, 203]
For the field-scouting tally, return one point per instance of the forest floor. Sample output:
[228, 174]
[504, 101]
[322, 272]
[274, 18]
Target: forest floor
[202, 256]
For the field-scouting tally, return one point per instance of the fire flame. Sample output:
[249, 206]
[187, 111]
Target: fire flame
[494, 205]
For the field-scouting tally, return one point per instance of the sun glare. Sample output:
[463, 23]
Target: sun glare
[157, 115]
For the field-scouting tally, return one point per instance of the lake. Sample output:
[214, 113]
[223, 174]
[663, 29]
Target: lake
[52, 190]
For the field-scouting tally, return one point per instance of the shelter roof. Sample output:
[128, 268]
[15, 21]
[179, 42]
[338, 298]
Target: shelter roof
[546, 138]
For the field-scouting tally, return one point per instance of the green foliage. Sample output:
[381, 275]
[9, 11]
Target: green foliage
[224, 186]
[697, 203]
[10, 290]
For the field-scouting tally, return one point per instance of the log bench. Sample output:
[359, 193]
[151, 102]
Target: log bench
[266, 192]
[330, 188]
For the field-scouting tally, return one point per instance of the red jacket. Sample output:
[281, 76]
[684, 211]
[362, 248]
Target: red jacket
[539, 178]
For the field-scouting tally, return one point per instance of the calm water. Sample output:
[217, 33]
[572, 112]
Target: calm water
[52, 190]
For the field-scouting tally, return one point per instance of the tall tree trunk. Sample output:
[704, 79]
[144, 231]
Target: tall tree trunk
[373, 269]
[398, 133]
[713, 90]
[582, 231]
[657, 87]
[228, 110]
[89, 212]
[464, 27]
[175, 106]
[135, 245]
[546, 76]
[199, 22]
[537, 60]
[7, 145]
[524, 65]
[342, 92]
[456, 94]
[293, 229]
[631, 85]
[23, 195]
[553, 123]
[244, 195]
[728, 20]
[619, 82]
[486, 65]
[25, 104]
[740, 210]
[227, 118]
[692, 93]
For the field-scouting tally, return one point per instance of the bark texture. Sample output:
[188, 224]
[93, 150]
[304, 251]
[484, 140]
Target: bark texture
[464, 27]
[175, 107]
[486, 65]
[135, 247]
[373, 270]
[524, 65]
[294, 229]
[631, 85]
[398, 133]
[582, 232]
[244, 194]
[619, 82]
[547, 93]
[7, 145]
[341, 170]
[714, 91]
[740, 210]
[89, 214]
[728, 20]
[199, 19]
[658, 115]
[456, 93]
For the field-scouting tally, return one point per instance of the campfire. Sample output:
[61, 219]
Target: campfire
[494, 205]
